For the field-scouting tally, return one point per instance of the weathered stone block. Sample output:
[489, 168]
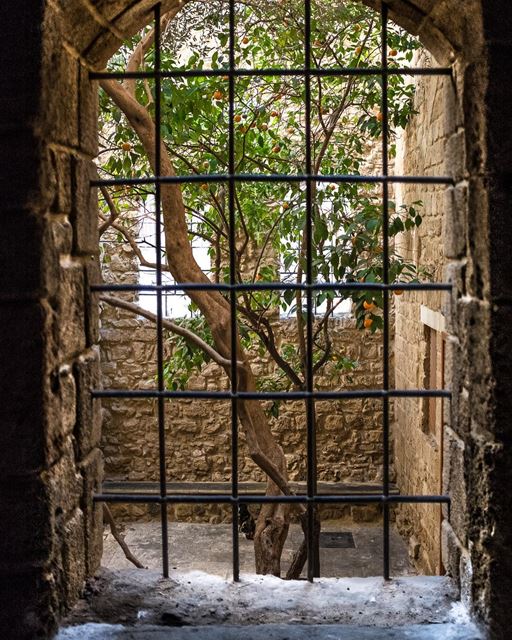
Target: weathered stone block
[478, 234]
[60, 165]
[454, 483]
[474, 109]
[64, 483]
[92, 473]
[88, 424]
[451, 551]
[84, 216]
[59, 85]
[455, 274]
[62, 235]
[455, 415]
[88, 113]
[452, 112]
[70, 309]
[67, 392]
[73, 556]
[454, 221]
[455, 162]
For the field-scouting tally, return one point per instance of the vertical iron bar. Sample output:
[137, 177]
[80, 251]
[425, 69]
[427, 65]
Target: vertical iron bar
[232, 292]
[159, 327]
[385, 274]
[313, 569]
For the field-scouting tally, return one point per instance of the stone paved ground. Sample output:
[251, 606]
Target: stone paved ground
[208, 548]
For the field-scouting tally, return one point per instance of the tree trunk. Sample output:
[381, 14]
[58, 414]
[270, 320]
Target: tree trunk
[273, 521]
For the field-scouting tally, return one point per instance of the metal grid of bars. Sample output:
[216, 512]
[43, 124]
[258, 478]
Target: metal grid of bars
[312, 498]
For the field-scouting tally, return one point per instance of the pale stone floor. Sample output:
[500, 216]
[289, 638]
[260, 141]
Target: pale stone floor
[207, 547]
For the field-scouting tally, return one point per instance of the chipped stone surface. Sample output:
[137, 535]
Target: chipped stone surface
[138, 597]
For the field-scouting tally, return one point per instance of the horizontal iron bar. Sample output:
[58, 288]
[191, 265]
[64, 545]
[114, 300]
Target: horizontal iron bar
[298, 72]
[272, 177]
[246, 499]
[273, 395]
[279, 286]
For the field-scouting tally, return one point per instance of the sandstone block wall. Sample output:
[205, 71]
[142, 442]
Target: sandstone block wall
[198, 432]
[418, 447]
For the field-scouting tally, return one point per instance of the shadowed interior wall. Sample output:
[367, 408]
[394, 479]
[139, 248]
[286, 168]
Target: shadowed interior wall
[48, 256]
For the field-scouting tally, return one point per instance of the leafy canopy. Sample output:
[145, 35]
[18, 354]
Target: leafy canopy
[269, 125]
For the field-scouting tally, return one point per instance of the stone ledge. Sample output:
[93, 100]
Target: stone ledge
[253, 488]
[273, 632]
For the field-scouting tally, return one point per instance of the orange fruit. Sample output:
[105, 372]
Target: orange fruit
[245, 40]
[274, 114]
[368, 305]
[218, 95]
[285, 206]
[276, 149]
[204, 186]
[358, 51]
[126, 146]
[237, 118]
[263, 127]
[398, 292]
[368, 323]
[225, 77]
[380, 116]
[393, 53]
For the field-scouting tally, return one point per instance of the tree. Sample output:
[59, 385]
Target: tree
[270, 217]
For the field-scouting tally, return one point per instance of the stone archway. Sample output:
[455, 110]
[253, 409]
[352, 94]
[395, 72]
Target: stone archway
[49, 442]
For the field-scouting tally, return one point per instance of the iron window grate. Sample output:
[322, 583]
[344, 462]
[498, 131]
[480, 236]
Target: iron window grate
[312, 498]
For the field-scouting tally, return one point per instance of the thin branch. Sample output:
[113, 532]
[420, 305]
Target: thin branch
[269, 341]
[118, 537]
[173, 327]
[114, 211]
[136, 249]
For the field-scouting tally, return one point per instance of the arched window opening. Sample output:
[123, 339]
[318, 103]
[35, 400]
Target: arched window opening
[279, 185]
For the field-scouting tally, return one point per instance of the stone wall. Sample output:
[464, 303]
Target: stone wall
[50, 464]
[47, 137]
[349, 433]
[418, 447]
